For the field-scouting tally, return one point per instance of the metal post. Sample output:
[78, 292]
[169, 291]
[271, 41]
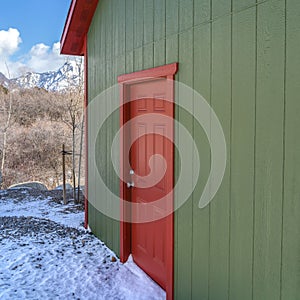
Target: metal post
[64, 173]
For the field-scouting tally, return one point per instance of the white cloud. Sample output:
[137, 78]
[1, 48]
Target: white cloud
[9, 42]
[41, 58]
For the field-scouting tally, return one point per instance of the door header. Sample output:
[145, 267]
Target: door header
[162, 71]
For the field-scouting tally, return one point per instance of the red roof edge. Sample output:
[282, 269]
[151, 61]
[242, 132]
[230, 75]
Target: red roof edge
[77, 24]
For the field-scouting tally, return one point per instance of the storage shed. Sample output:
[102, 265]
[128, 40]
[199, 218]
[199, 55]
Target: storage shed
[243, 57]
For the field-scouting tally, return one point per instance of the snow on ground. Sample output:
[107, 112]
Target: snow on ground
[46, 254]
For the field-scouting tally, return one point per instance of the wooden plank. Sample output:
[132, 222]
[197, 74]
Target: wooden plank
[220, 8]
[109, 137]
[269, 150]
[119, 68]
[184, 214]
[148, 58]
[100, 44]
[102, 143]
[159, 53]
[172, 49]
[138, 38]
[239, 5]
[129, 32]
[242, 149]
[202, 75]
[107, 19]
[172, 22]
[220, 205]
[148, 21]
[100, 153]
[129, 62]
[119, 19]
[186, 14]
[159, 19]
[100, 160]
[291, 212]
[91, 165]
[202, 11]
[138, 59]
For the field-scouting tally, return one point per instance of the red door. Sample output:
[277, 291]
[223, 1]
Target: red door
[151, 157]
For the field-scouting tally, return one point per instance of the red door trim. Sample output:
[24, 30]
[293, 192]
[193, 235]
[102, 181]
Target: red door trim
[167, 71]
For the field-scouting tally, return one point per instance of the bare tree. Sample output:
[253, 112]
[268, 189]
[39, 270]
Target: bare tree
[74, 102]
[7, 113]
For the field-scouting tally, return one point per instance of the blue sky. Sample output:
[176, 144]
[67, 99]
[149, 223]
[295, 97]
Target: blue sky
[29, 34]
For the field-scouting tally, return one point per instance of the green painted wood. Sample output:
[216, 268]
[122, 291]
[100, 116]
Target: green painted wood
[160, 53]
[186, 14]
[119, 19]
[138, 37]
[148, 56]
[172, 13]
[172, 49]
[242, 153]
[202, 11]
[119, 70]
[109, 137]
[91, 187]
[184, 220]
[239, 5]
[216, 248]
[172, 52]
[129, 62]
[129, 33]
[269, 150]
[108, 31]
[202, 75]
[220, 205]
[138, 59]
[101, 161]
[102, 223]
[291, 205]
[220, 8]
[148, 21]
[159, 19]
[100, 42]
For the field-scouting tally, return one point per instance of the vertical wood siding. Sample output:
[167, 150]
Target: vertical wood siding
[243, 57]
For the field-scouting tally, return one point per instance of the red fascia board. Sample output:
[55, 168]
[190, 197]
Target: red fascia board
[78, 21]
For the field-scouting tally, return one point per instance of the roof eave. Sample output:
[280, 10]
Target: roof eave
[77, 24]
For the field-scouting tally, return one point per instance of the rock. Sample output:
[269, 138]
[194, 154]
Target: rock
[32, 185]
[60, 187]
[113, 259]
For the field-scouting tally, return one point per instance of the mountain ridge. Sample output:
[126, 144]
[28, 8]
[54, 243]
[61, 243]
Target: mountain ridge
[69, 75]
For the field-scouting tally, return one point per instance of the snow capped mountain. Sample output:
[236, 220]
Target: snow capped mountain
[4, 81]
[68, 76]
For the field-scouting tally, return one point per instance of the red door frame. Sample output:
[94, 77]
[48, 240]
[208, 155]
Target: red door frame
[168, 72]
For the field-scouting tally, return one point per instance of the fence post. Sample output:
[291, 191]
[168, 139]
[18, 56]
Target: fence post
[64, 173]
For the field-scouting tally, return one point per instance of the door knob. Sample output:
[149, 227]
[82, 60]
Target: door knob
[130, 184]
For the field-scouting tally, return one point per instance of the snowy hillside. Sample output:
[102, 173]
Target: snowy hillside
[69, 75]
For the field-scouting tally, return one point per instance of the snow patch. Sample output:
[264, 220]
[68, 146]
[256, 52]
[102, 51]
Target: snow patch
[62, 264]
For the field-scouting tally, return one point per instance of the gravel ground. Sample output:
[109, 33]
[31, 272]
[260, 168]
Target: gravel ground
[45, 253]
[17, 227]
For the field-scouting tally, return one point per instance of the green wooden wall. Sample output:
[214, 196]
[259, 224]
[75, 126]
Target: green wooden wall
[243, 56]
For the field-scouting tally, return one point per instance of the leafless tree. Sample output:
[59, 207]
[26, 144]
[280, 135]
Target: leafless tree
[6, 109]
[74, 102]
